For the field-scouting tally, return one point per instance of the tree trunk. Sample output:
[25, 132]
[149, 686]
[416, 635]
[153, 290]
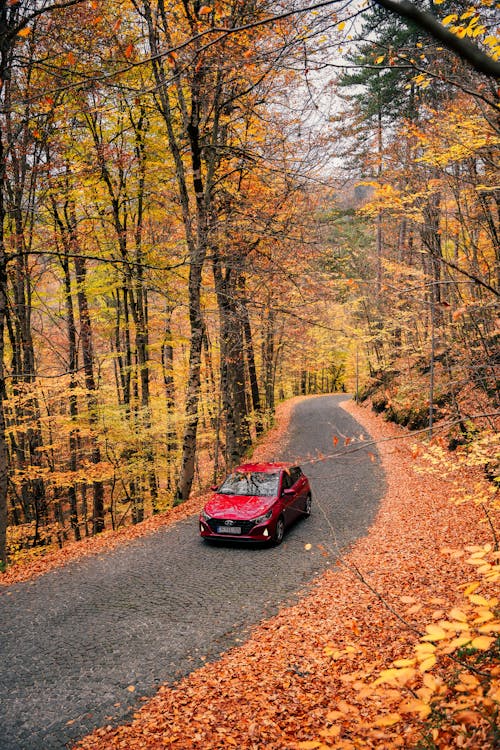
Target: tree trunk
[73, 401]
[4, 451]
[252, 370]
[167, 360]
[88, 364]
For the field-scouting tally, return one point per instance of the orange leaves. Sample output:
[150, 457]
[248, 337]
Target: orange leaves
[347, 440]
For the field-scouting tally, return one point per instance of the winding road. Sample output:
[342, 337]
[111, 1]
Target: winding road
[76, 640]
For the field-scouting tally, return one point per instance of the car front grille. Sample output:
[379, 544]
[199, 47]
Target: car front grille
[245, 526]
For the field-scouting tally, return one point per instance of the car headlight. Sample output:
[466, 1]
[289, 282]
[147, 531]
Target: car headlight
[205, 515]
[265, 517]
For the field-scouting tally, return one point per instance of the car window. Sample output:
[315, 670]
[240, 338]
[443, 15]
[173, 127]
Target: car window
[250, 483]
[286, 482]
[295, 473]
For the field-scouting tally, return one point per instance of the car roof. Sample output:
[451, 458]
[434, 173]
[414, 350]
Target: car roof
[262, 467]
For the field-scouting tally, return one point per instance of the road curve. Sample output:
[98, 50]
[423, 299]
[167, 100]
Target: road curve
[74, 641]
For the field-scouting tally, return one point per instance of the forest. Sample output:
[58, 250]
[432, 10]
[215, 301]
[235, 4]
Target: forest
[206, 209]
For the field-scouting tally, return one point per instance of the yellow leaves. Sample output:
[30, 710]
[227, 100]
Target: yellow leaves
[425, 653]
[434, 633]
[431, 683]
[468, 14]
[395, 676]
[482, 601]
[478, 555]
[458, 134]
[422, 80]
[204, 10]
[388, 720]
[482, 642]
[24, 32]
[339, 653]
[478, 550]
[416, 706]
[457, 643]
[341, 26]
[385, 197]
[404, 663]
[491, 627]
[457, 614]
[493, 42]
[379, 59]
[427, 663]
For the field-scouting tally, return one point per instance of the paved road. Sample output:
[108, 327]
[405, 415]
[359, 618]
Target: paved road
[74, 640]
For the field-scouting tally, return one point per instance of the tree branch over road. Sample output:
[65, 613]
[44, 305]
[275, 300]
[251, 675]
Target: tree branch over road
[463, 47]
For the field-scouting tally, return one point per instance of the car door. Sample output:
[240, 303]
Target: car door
[299, 490]
[287, 497]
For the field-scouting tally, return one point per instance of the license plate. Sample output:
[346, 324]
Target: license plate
[229, 529]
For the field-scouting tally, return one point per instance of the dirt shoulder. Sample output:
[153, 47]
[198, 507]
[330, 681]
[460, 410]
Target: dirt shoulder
[306, 664]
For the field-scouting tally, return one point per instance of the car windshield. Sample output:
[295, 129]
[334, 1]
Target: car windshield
[251, 483]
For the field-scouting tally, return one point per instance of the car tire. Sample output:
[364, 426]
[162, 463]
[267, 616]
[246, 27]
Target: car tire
[307, 506]
[279, 531]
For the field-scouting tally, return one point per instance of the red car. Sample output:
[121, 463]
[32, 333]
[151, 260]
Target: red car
[256, 502]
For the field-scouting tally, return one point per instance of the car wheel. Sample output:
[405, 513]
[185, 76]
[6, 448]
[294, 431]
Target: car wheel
[279, 531]
[307, 506]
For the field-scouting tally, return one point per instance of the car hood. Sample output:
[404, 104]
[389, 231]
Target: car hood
[238, 507]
